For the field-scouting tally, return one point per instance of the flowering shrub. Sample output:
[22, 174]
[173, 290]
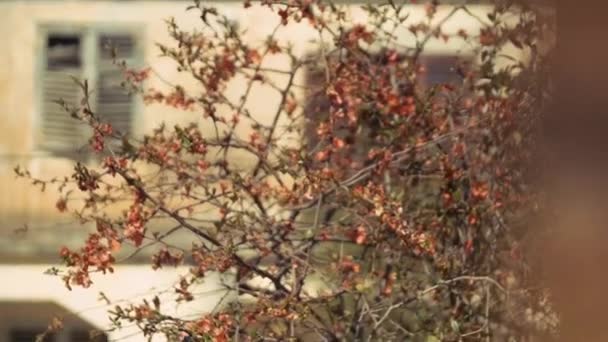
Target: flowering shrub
[397, 218]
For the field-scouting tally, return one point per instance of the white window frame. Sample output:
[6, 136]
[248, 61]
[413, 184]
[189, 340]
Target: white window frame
[89, 33]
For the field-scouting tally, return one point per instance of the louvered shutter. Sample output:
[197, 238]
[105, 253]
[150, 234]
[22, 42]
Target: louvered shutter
[114, 104]
[60, 132]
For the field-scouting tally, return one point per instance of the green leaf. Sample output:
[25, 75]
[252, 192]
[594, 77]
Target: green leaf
[432, 338]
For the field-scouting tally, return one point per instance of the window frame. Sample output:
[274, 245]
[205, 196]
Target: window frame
[89, 33]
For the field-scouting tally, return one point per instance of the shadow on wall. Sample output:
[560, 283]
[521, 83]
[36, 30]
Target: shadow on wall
[22, 321]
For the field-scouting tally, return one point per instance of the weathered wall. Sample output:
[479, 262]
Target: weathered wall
[18, 27]
[20, 203]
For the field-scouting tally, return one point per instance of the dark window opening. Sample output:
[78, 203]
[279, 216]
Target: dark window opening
[87, 336]
[63, 51]
[438, 70]
[30, 335]
[441, 69]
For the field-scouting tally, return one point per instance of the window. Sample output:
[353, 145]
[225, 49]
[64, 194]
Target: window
[29, 335]
[63, 59]
[85, 335]
[84, 54]
[440, 69]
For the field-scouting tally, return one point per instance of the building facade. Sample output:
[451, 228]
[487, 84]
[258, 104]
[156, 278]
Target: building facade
[44, 43]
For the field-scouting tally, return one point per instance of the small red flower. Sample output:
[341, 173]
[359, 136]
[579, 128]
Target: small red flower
[61, 205]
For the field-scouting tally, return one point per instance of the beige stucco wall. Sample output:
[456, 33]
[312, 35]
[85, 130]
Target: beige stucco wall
[18, 27]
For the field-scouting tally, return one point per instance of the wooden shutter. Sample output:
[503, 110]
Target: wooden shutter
[59, 131]
[114, 104]
[317, 104]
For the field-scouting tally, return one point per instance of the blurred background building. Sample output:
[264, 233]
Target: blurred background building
[43, 43]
